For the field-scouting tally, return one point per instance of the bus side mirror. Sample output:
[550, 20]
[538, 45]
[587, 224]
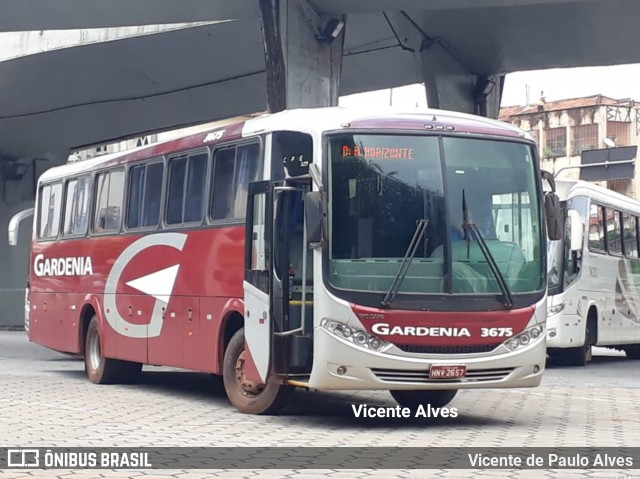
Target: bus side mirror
[576, 230]
[554, 216]
[14, 225]
[313, 216]
[552, 209]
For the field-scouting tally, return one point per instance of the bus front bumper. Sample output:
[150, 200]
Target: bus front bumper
[339, 364]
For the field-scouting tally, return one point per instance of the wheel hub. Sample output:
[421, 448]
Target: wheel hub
[95, 355]
[249, 388]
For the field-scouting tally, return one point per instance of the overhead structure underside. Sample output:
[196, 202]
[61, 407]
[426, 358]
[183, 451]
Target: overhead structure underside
[72, 97]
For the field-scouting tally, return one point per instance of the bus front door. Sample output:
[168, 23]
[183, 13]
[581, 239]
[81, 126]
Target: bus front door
[258, 281]
[278, 301]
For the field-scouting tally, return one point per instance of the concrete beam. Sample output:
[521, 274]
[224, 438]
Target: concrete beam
[27, 15]
[303, 53]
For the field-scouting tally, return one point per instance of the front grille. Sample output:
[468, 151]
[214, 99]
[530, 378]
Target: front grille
[485, 348]
[417, 377]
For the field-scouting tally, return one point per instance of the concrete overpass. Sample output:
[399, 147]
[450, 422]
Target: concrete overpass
[156, 64]
[89, 92]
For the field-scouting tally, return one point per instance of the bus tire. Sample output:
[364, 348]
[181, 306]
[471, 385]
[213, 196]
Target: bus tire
[101, 370]
[580, 355]
[246, 396]
[413, 399]
[633, 351]
[575, 356]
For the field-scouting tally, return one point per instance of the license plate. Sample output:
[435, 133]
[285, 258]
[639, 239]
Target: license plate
[447, 372]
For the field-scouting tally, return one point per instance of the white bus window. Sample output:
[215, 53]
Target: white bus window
[614, 231]
[596, 228]
[630, 235]
[109, 201]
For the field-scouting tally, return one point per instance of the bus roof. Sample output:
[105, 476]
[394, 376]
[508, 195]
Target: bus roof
[570, 188]
[307, 120]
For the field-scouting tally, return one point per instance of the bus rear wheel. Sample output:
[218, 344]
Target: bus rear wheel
[633, 351]
[413, 399]
[248, 396]
[101, 370]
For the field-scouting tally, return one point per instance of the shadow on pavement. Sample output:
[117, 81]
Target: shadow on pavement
[556, 363]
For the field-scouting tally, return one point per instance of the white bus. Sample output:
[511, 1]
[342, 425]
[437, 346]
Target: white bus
[594, 275]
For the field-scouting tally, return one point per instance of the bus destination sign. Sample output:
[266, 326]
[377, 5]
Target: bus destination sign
[377, 152]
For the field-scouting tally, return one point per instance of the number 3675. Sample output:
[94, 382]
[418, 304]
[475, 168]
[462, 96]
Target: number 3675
[496, 332]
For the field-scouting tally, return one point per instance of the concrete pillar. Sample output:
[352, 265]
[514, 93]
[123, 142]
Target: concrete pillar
[303, 53]
[453, 84]
[452, 81]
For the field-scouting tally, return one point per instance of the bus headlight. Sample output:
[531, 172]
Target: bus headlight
[353, 335]
[524, 337]
[551, 310]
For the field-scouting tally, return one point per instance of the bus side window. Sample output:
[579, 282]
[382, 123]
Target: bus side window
[223, 165]
[246, 171]
[630, 235]
[596, 227]
[233, 169]
[152, 194]
[187, 181]
[109, 201]
[614, 232]
[81, 210]
[49, 211]
[70, 195]
[175, 192]
[195, 188]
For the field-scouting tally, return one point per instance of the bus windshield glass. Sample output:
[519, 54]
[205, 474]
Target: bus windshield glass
[382, 186]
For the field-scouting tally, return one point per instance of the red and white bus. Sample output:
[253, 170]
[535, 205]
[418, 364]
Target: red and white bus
[324, 249]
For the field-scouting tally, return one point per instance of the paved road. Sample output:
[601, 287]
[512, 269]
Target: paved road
[46, 401]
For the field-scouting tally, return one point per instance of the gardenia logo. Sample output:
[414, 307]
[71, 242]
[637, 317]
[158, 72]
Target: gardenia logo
[71, 266]
[386, 330]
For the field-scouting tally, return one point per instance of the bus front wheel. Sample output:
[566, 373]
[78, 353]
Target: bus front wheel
[576, 356]
[101, 370]
[248, 396]
[425, 398]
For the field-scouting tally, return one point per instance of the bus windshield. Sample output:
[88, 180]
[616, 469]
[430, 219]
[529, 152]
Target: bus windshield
[382, 186]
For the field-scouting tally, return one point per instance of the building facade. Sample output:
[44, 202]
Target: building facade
[563, 129]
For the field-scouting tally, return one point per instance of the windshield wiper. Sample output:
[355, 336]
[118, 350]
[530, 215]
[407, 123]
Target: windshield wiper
[472, 229]
[421, 228]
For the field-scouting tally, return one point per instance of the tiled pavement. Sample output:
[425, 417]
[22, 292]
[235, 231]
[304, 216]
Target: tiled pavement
[46, 401]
